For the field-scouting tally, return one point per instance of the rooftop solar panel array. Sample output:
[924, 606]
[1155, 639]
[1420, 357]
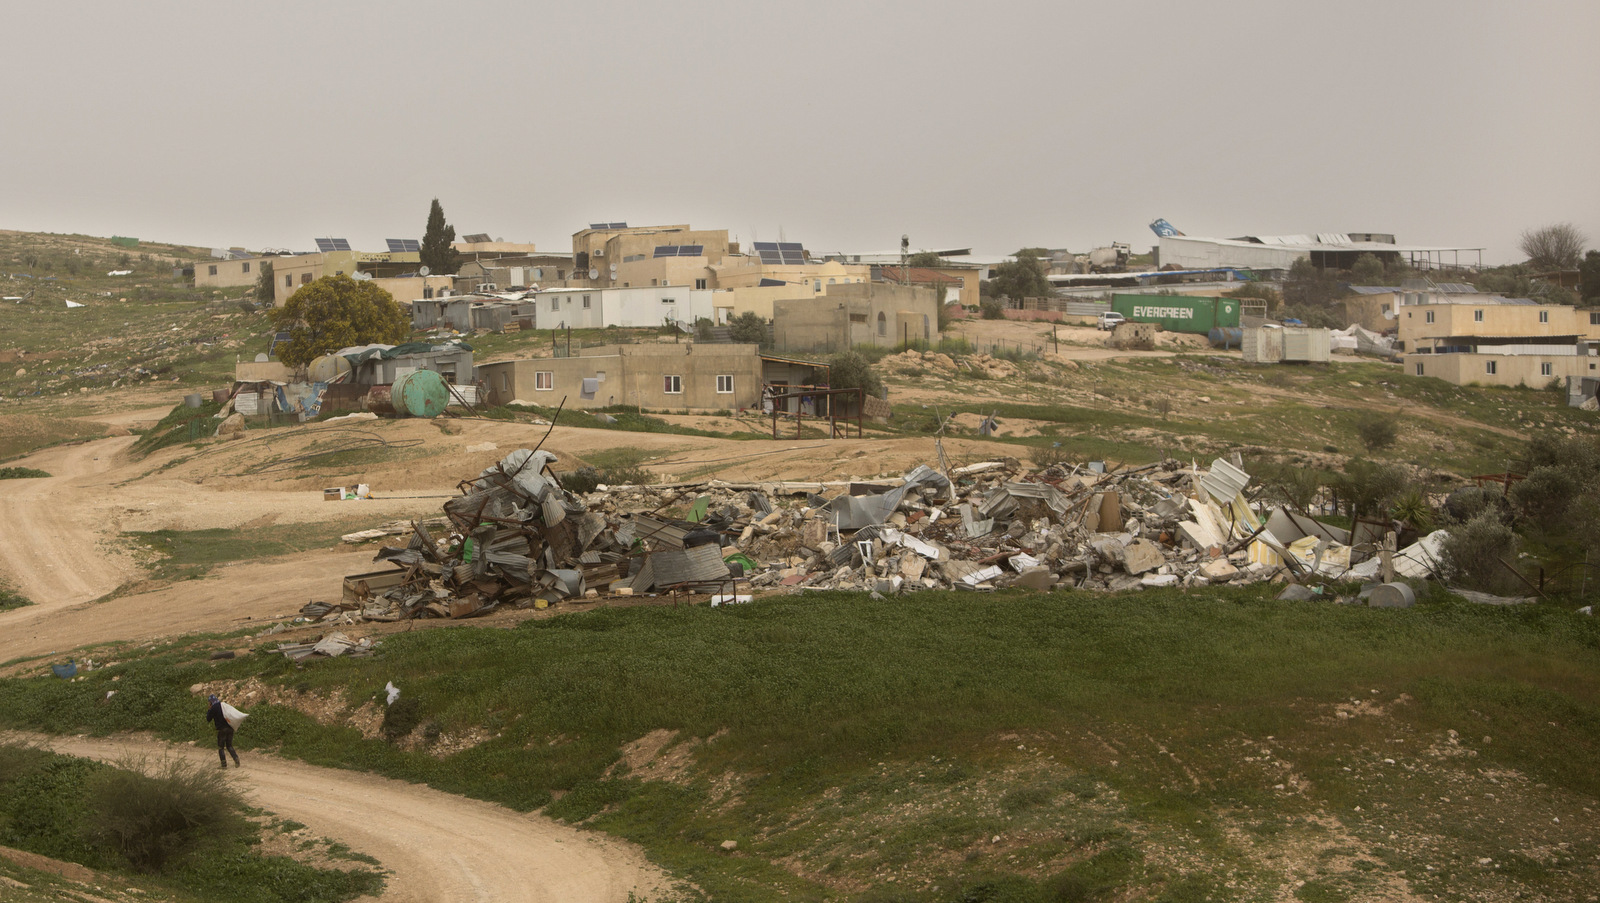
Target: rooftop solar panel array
[402, 245]
[781, 253]
[332, 244]
[680, 250]
[608, 225]
[476, 238]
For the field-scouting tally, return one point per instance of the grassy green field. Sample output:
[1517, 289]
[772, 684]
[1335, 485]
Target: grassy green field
[949, 746]
[1114, 409]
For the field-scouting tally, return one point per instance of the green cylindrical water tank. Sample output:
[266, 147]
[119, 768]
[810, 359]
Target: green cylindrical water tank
[420, 393]
[327, 368]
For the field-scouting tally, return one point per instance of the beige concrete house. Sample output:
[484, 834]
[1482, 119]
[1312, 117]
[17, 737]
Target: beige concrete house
[688, 376]
[228, 272]
[872, 313]
[1500, 343]
[394, 272]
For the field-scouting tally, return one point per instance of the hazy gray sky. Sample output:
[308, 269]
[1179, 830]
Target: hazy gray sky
[992, 125]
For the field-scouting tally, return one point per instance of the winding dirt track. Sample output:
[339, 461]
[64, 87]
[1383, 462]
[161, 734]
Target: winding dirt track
[55, 547]
[47, 549]
[437, 846]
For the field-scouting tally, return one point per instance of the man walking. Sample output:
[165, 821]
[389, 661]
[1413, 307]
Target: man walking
[224, 732]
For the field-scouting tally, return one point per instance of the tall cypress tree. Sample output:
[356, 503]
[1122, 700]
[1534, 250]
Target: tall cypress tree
[437, 255]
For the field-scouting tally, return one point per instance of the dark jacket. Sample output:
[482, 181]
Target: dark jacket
[214, 715]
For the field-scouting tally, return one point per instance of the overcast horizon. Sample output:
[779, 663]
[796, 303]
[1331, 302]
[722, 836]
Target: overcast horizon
[837, 125]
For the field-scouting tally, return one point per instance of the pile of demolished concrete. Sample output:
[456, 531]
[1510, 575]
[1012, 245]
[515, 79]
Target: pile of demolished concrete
[516, 538]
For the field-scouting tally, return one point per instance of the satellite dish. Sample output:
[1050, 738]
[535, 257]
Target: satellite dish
[262, 358]
[424, 271]
[594, 273]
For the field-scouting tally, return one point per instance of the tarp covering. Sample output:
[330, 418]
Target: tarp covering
[360, 355]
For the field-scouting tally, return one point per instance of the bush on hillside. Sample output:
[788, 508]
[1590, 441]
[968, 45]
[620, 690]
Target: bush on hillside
[850, 370]
[1473, 555]
[153, 819]
[1377, 431]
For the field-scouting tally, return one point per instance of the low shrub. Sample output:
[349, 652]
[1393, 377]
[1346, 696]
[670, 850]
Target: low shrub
[21, 473]
[1475, 551]
[152, 819]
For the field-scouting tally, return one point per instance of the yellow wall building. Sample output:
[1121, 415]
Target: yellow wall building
[689, 376]
[1499, 344]
[1422, 324]
[290, 273]
[217, 273]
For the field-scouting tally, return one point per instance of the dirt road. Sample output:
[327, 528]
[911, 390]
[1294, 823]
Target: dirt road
[50, 552]
[437, 846]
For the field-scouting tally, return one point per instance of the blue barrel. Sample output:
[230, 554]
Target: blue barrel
[1227, 336]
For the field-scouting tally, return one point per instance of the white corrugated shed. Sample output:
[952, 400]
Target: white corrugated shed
[1303, 343]
[1262, 344]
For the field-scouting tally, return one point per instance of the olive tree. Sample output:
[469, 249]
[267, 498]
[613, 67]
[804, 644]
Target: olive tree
[336, 312]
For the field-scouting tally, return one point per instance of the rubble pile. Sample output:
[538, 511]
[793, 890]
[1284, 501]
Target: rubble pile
[515, 537]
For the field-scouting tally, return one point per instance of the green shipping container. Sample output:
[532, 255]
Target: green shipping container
[1179, 313]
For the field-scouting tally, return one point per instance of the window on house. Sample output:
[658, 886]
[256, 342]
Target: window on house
[288, 280]
[213, 269]
[1547, 369]
[1544, 316]
[673, 385]
[725, 384]
[700, 283]
[1419, 370]
[858, 318]
[245, 268]
[305, 278]
[600, 376]
[1477, 316]
[427, 292]
[883, 324]
[505, 381]
[555, 303]
[669, 300]
[1430, 316]
[1491, 368]
[544, 380]
[816, 285]
[653, 282]
[1594, 319]
[585, 302]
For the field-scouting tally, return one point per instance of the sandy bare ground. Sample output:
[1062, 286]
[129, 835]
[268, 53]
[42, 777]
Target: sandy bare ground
[60, 543]
[436, 846]
[48, 550]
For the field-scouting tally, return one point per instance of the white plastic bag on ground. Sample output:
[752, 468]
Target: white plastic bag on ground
[233, 716]
[394, 692]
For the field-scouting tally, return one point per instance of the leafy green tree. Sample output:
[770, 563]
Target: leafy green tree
[1023, 277]
[1368, 270]
[851, 370]
[437, 255]
[1306, 284]
[748, 327]
[265, 288]
[1590, 274]
[924, 259]
[336, 312]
